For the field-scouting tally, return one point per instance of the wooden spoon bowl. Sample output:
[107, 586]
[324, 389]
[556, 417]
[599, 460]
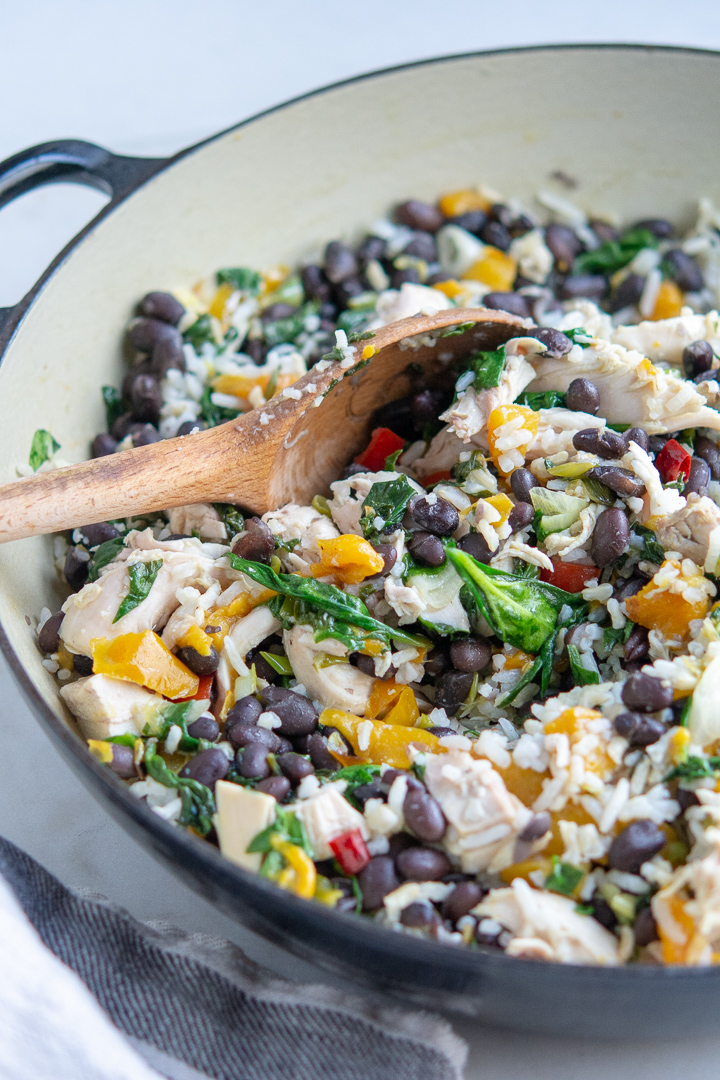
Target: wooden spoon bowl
[289, 450]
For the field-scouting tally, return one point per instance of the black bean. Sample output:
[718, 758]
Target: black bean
[427, 549]
[363, 663]
[435, 515]
[340, 262]
[376, 880]
[452, 689]
[426, 406]
[683, 270]
[167, 355]
[635, 844]
[205, 727]
[278, 311]
[638, 436]
[604, 230]
[190, 427]
[83, 665]
[521, 516]
[486, 939]
[603, 913]
[629, 587]
[123, 761]
[470, 654]
[697, 358]
[437, 662]
[419, 215]
[144, 334]
[645, 693]
[627, 293]
[420, 915]
[476, 546]
[556, 343]
[536, 827]
[297, 713]
[699, 477]
[441, 732]
[49, 636]
[461, 900]
[522, 482]
[605, 443]
[388, 552]
[659, 227]
[295, 767]
[422, 246]
[319, 754]
[686, 798]
[77, 567]
[645, 928]
[583, 396]
[103, 445]
[423, 815]
[502, 213]
[277, 786]
[496, 235]
[621, 481]
[245, 711]
[373, 790]
[346, 290]
[315, 283]
[207, 766]
[244, 734]
[638, 729]
[399, 277]
[97, 534]
[472, 221]
[161, 305]
[513, 303]
[565, 245]
[145, 436]
[610, 537]
[256, 543]
[198, 663]
[256, 348]
[121, 426]
[422, 864]
[707, 450]
[251, 762]
[637, 646]
[656, 443]
[372, 248]
[591, 286]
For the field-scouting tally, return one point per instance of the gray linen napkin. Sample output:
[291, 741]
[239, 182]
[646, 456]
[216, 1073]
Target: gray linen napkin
[191, 1006]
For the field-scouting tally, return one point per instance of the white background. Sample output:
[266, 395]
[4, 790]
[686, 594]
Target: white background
[148, 78]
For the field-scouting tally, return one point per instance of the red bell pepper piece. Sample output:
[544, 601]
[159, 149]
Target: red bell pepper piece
[383, 442]
[350, 851]
[672, 462]
[437, 477]
[204, 690]
[569, 576]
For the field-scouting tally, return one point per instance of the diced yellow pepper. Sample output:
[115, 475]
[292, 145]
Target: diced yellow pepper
[368, 351]
[679, 743]
[496, 269]
[676, 951]
[404, 710]
[500, 416]
[525, 868]
[503, 505]
[300, 875]
[456, 203]
[102, 750]
[517, 659]
[240, 386]
[197, 639]
[349, 558]
[668, 612]
[219, 300]
[325, 893]
[451, 287]
[65, 657]
[669, 301]
[146, 660]
[388, 743]
[226, 617]
[383, 696]
[575, 723]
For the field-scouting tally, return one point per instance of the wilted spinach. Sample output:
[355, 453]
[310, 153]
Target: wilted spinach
[387, 500]
[142, 578]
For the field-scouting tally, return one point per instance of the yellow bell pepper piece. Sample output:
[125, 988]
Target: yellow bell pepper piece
[383, 696]
[575, 723]
[240, 386]
[226, 617]
[405, 710]
[65, 658]
[197, 639]
[219, 300]
[675, 949]
[679, 743]
[144, 659]
[300, 875]
[500, 416]
[503, 505]
[388, 743]
[668, 612]
[496, 269]
[349, 558]
[456, 203]
[451, 287]
[101, 750]
[669, 301]
[325, 893]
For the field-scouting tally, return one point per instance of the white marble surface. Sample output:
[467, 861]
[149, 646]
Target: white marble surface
[147, 77]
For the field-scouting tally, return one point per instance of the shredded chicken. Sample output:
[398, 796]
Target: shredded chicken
[336, 686]
[200, 518]
[303, 523]
[468, 416]
[689, 530]
[665, 339]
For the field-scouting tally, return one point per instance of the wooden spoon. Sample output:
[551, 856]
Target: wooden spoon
[289, 450]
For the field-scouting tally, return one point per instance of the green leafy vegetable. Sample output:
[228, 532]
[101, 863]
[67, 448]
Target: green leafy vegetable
[291, 612]
[240, 277]
[286, 330]
[685, 711]
[488, 367]
[179, 715]
[105, 554]
[288, 827]
[611, 636]
[543, 399]
[564, 877]
[455, 331]
[231, 517]
[42, 448]
[342, 606]
[613, 255]
[652, 550]
[387, 500]
[694, 768]
[200, 332]
[114, 407]
[582, 674]
[391, 459]
[214, 414]
[198, 804]
[579, 336]
[356, 776]
[360, 335]
[142, 578]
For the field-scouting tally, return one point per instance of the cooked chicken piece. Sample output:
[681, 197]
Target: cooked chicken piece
[468, 416]
[586, 314]
[303, 523]
[545, 926]
[337, 686]
[556, 429]
[409, 299]
[406, 601]
[689, 530]
[665, 339]
[200, 518]
[348, 495]
[632, 391]
[443, 452]
[326, 816]
[105, 706]
[241, 815]
[697, 884]
[250, 631]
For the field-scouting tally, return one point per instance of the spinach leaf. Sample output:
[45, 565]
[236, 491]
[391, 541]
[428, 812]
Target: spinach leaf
[544, 660]
[114, 407]
[387, 500]
[42, 448]
[612, 637]
[280, 664]
[614, 254]
[456, 330]
[579, 336]
[356, 776]
[198, 804]
[142, 578]
[391, 459]
[240, 277]
[286, 330]
[564, 877]
[177, 714]
[214, 414]
[342, 606]
[652, 550]
[544, 399]
[291, 612]
[694, 768]
[583, 676]
[286, 826]
[200, 333]
[488, 368]
[104, 554]
[231, 517]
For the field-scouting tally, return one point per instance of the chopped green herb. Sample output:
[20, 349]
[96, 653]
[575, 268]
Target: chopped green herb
[283, 331]
[142, 578]
[488, 367]
[652, 550]
[391, 459]
[198, 805]
[544, 399]
[454, 331]
[114, 407]
[685, 712]
[214, 414]
[582, 673]
[200, 333]
[694, 768]
[579, 336]
[231, 518]
[105, 554]
[240, 277]
[356, 776]
[564, 877]
[611, 636]
[42, 448]
[387, 500]
[288, 827]
[613, 255]
[360, 335]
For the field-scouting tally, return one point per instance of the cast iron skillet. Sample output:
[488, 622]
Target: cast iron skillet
[636, 1001]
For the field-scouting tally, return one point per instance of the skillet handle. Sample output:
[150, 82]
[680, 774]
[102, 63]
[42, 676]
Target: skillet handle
[71, 161]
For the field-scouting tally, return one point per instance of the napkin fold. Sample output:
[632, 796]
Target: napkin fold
[89, 993]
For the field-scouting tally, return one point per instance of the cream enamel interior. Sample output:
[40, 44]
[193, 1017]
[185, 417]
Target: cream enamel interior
[636, 127]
